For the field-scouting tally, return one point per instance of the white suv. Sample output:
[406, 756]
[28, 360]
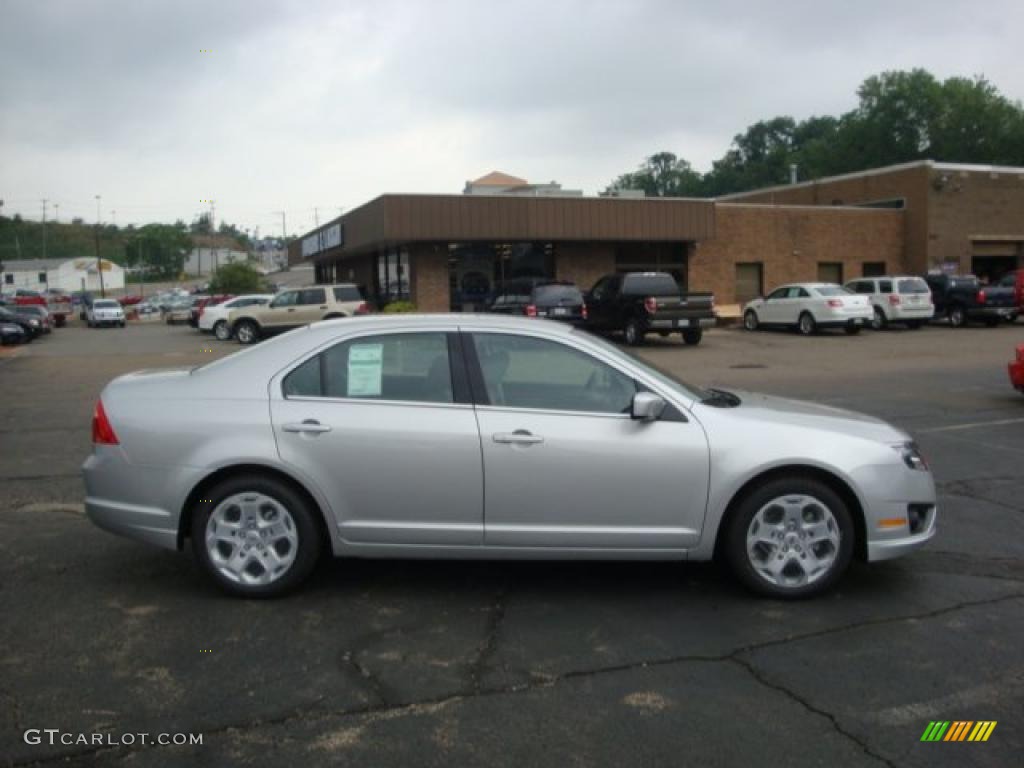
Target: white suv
[215, 317]
[900, 299]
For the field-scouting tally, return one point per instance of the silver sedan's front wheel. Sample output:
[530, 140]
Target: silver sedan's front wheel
[790, 537]
[793, 541]
[222, 331]
[256, 536]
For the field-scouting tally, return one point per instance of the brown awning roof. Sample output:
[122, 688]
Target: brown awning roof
[391, 219]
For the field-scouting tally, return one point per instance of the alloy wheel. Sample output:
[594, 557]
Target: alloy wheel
[221, 330]
[251, 539]
[750, 321]
[793, 541]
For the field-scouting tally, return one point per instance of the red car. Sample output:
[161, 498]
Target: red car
[56, 302]
[1017, 369]
[128, 301]
[209, 301]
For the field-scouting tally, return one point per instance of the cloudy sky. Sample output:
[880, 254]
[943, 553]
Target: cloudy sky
[327, 103]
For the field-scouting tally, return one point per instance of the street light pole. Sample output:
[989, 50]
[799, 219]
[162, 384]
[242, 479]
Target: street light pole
[99, 262]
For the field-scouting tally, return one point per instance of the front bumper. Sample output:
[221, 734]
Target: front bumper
[892, 493]
[887, 549]
[1016, 370]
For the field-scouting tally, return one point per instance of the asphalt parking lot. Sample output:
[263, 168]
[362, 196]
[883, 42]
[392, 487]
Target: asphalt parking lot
[429, 663]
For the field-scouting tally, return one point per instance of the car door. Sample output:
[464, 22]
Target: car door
[384, 426]
[600, 301]
[797, 301]
[280, 313]
[773, 310]
[564, 464]
[312, 305]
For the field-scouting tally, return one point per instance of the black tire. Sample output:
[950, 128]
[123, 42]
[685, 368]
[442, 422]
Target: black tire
[121, 324]
[879, 322]
[957, 316]
[806, 324]
[246, 331]
[851, 329]
[61, 321]
[914, 325]
[750, 321]
[307, 528]
[221, 330]
[692, 336]
[735, 542]
[991, 322]
[633, 333]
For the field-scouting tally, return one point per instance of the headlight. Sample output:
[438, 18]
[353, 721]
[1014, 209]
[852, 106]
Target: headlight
[911, 455]
[34, 322]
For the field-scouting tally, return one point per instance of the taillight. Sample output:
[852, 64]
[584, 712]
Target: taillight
[531, 310]
[102, 432]
[363, 308]
[835, 302]
[651, 305]
[894, 299]
[583, 311]
[201, 310]
[981, 297]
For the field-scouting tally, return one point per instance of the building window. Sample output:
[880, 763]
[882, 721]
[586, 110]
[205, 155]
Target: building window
[42, 277]
[9, 279]
[749, 281]
[392, 275]
[873, 268]
[830, 272]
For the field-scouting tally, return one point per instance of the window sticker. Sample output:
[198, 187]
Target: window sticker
[365, 368]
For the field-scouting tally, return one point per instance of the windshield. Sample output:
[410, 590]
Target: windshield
[105, 304]
[669, 380]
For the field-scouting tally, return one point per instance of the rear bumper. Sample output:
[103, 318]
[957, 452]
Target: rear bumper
[680, 323]
[989, 313]
[896, 314]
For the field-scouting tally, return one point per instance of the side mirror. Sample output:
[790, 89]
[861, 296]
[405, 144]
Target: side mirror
[646, 406]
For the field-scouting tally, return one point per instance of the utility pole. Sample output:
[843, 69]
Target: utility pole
[213, 214]
[44, 227]
[99, 262]
[113, 218]
[316, 216]
[142, 272]
[284, 239]
[56, 213]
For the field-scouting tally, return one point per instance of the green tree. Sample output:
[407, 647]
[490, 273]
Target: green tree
[237, 277]
[159, 249]
[661, 175]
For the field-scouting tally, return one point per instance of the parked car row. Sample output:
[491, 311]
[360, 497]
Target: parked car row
[55, 301]
[879, 302]
[24, 323]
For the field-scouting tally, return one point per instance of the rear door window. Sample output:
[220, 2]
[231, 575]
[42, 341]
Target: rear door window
[347, 293]
[310, 296]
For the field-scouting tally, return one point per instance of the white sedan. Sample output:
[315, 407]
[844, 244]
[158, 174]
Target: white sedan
[809, 307]
[215, 318]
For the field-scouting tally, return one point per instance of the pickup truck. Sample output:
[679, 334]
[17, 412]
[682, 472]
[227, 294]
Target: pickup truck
[962, 299]
[1015, 280]
[56, 302]
[637, 303]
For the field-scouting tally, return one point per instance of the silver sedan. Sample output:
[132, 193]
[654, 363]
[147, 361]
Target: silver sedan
[460, 436]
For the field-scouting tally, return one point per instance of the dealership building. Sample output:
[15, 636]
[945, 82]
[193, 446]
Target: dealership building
[450, 252]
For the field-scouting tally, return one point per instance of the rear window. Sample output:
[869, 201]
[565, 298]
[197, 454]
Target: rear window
[654, 284]
[831, 290]
[963, 282]
[104, 304]
[557, 293]
[917, 285]
[347, 293]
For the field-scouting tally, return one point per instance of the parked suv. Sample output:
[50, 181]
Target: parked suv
[540, 298]
[296, 307]
[900, 299]
[961, 299]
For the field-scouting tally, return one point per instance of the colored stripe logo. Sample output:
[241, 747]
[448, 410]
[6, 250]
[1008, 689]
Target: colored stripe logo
[958, 730]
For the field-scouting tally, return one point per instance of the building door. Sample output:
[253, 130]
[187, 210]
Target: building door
[830, 272]
[749, 281]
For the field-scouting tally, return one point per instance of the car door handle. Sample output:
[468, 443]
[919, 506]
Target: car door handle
[519, 436]
[309, 425]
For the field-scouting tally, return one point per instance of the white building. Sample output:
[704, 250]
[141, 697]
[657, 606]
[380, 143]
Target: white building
[498, 183]
[212, 252]
[64, 274]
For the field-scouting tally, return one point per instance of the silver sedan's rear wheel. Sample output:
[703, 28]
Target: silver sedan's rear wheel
[246, 332]
[257, 537]
[791, 537]
[251, 539]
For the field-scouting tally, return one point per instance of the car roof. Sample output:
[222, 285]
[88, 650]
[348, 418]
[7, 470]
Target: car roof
[454, 320]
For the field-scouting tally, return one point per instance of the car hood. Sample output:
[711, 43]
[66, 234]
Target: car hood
[800, 413]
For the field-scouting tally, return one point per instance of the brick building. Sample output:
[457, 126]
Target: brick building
[450, 252]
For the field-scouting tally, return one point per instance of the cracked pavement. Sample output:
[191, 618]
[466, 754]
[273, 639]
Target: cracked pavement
[438, 663]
